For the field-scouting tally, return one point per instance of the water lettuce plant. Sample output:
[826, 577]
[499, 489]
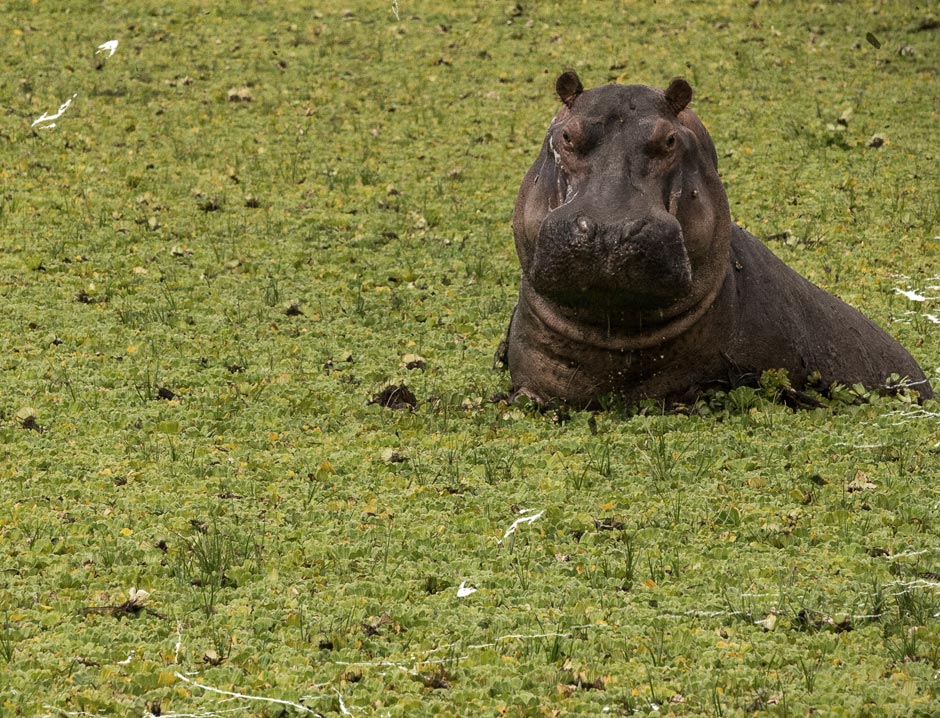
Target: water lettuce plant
[239, 224]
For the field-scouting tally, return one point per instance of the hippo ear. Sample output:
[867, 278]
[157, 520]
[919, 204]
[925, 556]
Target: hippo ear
[678, 95]
[568, 86]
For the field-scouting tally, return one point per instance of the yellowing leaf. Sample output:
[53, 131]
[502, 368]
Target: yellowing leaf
[324, 470]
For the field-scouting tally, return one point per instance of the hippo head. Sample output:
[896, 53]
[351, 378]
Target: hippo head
[623, 221]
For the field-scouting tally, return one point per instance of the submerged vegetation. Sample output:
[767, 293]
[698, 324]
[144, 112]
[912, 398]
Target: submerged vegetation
[254, 458]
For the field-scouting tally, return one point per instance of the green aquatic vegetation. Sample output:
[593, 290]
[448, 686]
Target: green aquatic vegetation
[253, 219]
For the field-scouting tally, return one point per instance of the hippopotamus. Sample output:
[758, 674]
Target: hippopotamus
[637, 284]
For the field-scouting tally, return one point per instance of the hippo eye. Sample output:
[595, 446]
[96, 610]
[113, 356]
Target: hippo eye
[670, 142]
[566, 137]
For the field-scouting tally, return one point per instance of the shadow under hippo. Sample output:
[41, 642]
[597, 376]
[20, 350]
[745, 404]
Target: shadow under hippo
[636, 283]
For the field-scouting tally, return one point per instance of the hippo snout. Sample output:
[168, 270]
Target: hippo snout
[583, 229]
[637, 261]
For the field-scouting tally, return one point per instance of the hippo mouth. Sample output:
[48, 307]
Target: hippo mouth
[633, 265]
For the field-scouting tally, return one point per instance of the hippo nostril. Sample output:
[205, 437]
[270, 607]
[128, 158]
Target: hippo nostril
[632, 229]
[584, 226]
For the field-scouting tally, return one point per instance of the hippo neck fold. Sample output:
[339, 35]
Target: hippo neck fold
[650, 331]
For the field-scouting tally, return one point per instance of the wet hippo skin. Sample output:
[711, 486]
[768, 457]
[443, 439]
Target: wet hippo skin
[636, 283]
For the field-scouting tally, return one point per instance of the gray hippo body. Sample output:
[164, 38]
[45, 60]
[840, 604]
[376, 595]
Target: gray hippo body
[636, 283]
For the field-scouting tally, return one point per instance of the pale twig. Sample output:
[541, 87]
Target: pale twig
[46, 117]
[109, 47]
[906, 554]
[911, 294]
[207, 714]
[243, 696]
[914, 414]
[703, 614]
[342, 706]
[472, 647]
[917, 583]
[517, 637]
[381, 664]
[179, 642]
[522, 520]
